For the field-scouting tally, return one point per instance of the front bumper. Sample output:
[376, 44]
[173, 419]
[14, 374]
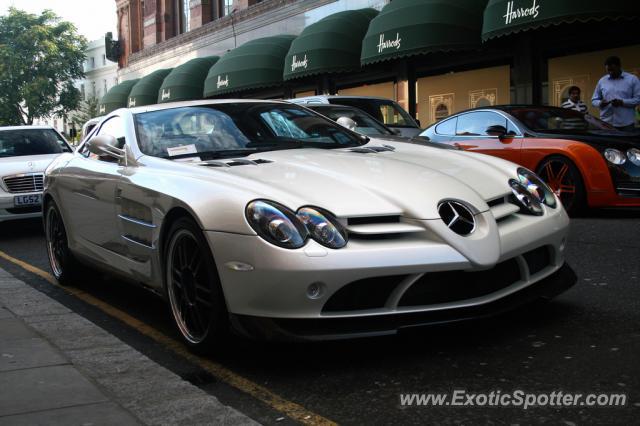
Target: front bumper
[389, 275]
[378, 325]
[10, 212]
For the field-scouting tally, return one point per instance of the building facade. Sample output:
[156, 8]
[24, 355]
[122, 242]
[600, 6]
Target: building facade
[524, 51]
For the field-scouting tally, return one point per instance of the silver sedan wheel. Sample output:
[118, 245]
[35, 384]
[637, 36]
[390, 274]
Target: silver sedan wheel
[189, 286]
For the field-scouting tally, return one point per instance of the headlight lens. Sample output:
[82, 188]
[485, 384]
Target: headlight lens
[276, 224]
[634, 156]
[537, 187]
[614, 156]
[322, 227]
[528, 202]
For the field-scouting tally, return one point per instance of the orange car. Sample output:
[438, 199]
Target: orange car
[583, 159]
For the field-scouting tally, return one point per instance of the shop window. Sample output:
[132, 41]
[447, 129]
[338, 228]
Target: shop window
[442, 111]
[182, 12]
[479, 123]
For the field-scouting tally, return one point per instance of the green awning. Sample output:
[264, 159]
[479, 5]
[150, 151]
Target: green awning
[116, 97]
[145, 92]
[502, 17]
[413, 27]
[186, 81]
[332, 44]
[257, 63]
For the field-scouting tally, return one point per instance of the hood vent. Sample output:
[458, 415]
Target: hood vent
[372, 149]
[235, 162]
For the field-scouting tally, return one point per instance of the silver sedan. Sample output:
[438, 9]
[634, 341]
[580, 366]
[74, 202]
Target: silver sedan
[267, 219]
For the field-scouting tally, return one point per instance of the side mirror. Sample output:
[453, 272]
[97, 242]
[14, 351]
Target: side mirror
[418, 123]
[396, 131]
[496, 130]
[102, 145]
[348, 123]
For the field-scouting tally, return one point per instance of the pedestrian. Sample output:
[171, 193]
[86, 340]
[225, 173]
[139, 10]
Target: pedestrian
[574, 102]
[617, 94]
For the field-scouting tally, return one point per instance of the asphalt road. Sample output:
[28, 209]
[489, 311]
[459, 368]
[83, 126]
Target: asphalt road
[586, 341]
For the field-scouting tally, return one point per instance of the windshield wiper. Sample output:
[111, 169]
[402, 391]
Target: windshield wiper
[213, 155]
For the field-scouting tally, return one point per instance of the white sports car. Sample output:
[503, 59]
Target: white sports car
[268, 219]
[25, 152]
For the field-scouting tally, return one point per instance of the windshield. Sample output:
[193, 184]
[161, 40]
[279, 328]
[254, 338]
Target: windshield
[365, 124]
[385, 111]
[213, 131]
[21, 142]
[545, 119]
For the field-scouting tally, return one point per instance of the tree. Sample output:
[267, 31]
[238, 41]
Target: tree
[86, 111]
[40, 57]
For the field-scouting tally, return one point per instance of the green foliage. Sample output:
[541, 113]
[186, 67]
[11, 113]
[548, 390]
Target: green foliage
[87, 110]
[40, 57]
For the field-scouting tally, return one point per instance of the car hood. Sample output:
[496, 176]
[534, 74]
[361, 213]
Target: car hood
[25, 164]
[598, 138]
[409, 181]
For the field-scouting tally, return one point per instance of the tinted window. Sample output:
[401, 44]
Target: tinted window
[480, 123]
[385, 111]
[365, 124]
[447, 127]
[20, 142]
[541, 119]
[208, 131]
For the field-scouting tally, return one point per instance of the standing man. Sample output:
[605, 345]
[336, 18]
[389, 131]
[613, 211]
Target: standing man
[574, 102]
[617, 95]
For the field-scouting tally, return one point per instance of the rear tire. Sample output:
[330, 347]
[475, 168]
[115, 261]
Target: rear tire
[65, 267]
[565, 180]
[193, 288]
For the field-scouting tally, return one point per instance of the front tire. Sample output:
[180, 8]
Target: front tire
[193, 287]
[565, 180]
[66, 269]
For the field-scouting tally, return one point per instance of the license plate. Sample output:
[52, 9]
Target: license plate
[27, 200]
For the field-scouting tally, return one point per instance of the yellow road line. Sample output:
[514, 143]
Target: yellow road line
[290, 409]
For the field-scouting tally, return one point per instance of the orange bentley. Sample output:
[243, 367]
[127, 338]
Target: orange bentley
[583, 159]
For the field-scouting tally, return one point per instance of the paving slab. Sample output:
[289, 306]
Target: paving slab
[13, 328]
[18, 354]
[102, 414]
[44, 388]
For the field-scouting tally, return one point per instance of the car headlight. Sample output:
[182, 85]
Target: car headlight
[537, 187]
[614, 156]
[276, 224]
[634, 156]
[528, 202]
[322, 227]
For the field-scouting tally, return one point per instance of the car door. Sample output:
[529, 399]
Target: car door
[89, 191]
[488, 132]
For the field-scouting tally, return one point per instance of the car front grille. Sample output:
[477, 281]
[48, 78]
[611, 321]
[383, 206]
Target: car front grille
[628, 189]
[434, 288]
[24, 183]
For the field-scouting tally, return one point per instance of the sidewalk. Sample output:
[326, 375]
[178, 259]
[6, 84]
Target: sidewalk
[57, 368]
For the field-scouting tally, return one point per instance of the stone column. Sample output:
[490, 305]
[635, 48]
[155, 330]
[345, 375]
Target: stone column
[201, 12]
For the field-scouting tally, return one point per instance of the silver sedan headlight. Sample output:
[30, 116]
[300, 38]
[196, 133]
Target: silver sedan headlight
[614, 156]
[323, 227]
[537, 187]
[276, 224]
[634, 156]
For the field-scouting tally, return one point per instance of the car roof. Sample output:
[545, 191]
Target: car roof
[25, 127]
[327, 97]
[180, 104]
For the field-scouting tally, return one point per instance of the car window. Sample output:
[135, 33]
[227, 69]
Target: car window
[447, 127]
[213, 130]
[557, 119]
[481, 123]
[21, 142]
[385, 111]
[365, 124]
